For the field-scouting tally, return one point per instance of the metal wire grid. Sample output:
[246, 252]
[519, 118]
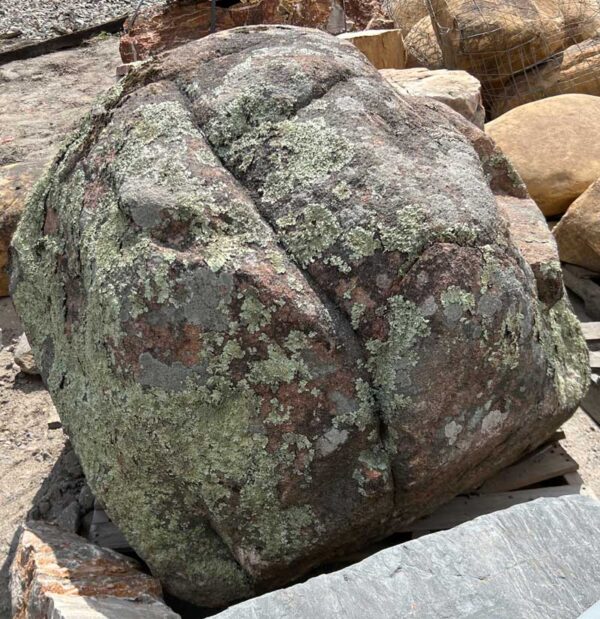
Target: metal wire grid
[520, 50]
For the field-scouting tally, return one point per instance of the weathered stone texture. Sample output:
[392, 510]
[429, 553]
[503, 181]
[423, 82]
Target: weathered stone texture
[281, 311]
[554, 145]
[457, 89]
[51, 562]
[538, 560]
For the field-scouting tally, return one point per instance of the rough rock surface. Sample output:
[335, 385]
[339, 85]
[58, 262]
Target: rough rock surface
[554, 145]
[528, 229]
[164, 26]
[85, 607]
[538, 560]
[16, 181]
[383, 48]
[50, 561]
[24, 356]
[575, 71]
[578, 232]
[252, 280]
[457, 89]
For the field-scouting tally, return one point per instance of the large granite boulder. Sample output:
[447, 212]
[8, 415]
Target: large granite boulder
[166, 25]
[279, 310]
[554, 145]
[539, 560]
[578, 232]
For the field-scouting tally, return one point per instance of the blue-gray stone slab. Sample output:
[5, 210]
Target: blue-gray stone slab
[538, 560]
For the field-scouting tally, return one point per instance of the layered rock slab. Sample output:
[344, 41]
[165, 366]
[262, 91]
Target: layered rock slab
[457, 89]
[538, 560]
[55, 570]
[263, 274]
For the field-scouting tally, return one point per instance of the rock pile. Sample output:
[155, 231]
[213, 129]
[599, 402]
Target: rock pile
[167, 25]
[521, 51]
[27, 21]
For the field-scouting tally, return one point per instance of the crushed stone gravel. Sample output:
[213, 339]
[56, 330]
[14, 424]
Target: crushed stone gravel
[27, 21]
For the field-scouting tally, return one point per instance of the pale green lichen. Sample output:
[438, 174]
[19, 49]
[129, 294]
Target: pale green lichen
[308, 233]
[559, 333]
[361, 243]
[278, 368]
[253, 314]
[456, 302]
[305, 153]
[392, 360]
[358, 309]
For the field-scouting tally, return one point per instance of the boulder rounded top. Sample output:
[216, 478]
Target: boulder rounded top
[554, 144]
[280, 312]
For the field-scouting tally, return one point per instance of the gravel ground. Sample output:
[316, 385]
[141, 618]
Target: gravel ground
[23, 21]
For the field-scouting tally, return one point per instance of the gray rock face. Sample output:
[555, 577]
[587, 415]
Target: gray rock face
[279, 311]
[84, 607]
[538, 560]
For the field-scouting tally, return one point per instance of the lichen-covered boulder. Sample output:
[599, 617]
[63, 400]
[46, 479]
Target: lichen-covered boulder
[280, 312]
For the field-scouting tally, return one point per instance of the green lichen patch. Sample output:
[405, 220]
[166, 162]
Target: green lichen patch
[308, 233]
[456, 302]
[304, 153]
[391, 361]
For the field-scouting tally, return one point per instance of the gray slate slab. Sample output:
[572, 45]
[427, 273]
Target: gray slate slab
[84, 607]
[539, 560]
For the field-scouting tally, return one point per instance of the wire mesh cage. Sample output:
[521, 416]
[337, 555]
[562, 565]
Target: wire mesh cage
[520, 50]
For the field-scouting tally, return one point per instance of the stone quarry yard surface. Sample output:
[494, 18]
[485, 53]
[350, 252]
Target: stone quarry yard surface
[28, 449]
[40, 99]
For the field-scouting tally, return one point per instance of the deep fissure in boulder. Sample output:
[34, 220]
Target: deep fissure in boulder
[300, 320]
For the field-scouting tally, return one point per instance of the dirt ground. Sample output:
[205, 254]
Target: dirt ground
[28, 450]
[43, 98]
